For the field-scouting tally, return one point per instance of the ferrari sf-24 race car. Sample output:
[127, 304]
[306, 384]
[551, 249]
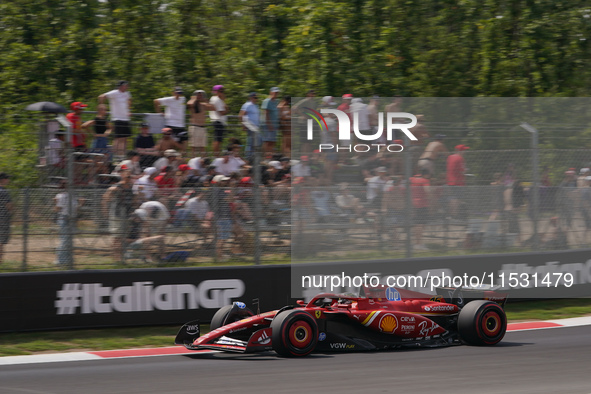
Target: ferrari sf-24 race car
[384, 318]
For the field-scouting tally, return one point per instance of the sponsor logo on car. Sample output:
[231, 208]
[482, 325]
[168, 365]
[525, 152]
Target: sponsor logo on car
[240, 305]
[322, 336]
[406, 327]
[264, 339]
[318, 314]
[388, 323]
[341, 345]
[192, 329]
[407, 319]
[392, 294]
[439, 308]
[425, 329]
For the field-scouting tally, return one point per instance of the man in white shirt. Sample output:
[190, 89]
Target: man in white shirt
[145, 186]
[228, 164]
[218, 117]
[120, 108]
[174, 115]
[359, 111]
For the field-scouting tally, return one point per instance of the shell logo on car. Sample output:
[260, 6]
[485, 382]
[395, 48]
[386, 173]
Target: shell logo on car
[388, 323]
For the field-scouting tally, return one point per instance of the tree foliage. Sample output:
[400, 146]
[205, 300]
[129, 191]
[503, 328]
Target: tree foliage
[67, 50]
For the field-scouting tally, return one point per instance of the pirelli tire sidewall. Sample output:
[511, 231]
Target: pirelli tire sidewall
[482, 323]
[294, 333]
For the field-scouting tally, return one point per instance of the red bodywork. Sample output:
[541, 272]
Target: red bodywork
[412, 318]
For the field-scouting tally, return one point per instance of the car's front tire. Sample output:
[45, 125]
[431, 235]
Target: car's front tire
[482, 323]
[228, 314]
[295, 333]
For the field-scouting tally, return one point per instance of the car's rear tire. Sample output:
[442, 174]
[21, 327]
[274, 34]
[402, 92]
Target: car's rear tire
[294, 333]
[482, 323]
[227, 314]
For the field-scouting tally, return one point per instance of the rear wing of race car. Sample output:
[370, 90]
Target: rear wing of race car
[460, 296]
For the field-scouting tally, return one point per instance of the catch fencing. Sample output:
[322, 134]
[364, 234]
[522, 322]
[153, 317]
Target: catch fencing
[514, 200]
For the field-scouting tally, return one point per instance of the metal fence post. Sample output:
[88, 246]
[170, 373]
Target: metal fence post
[408, 197]
[257, 204]
[26, 204]
[536, 182]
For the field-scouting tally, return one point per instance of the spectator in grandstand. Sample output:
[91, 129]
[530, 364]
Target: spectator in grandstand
[132, 163]
[270, 120]
[155, 215]
[166, 182]
[78, 137]
[118, 203]
[145, 187]
[373, 114]
[62, 208]
[198, 105]
[456, 169]
[299, 113]
[395, 106]
[432, 152]
[229, 162]
[174, 115]
[555, 237]
[102, 129]
[206, 179]
[218, 116]
[419, 188]
[222, 214]
[284, 108]
[198, 214]
[144, 144]
[56, 153]
[509, 175]
[6, 208]
[360, 108]
[302, 168]
[250, 117]
[199, 165]
[375, 188]
[349, 204]
[150, 249]
[566, 196]
[171, 158]
[120, 106]
[167, 142]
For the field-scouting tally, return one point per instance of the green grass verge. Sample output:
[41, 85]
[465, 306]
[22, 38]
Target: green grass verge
[13, 344]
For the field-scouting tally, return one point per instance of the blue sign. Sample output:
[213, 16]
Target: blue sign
[241, 305]
[321, 336]
[392, 294]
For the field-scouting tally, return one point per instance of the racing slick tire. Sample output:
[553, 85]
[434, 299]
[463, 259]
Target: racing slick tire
[228, 314]
[482, 323]
[294, 333]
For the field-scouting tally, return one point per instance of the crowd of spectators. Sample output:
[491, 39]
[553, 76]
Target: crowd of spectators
[176, 171]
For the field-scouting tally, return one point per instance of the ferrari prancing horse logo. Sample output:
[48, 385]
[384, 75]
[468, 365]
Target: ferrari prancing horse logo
[318, 314]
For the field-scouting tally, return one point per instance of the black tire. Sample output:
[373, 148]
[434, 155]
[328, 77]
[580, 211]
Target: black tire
[482, 323]
[226, 315]
[295, 333]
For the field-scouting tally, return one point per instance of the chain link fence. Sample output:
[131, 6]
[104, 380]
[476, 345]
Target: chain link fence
[501, 209]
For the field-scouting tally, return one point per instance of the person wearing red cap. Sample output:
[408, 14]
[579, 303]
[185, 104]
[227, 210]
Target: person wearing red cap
[456, 168]
[78, 138]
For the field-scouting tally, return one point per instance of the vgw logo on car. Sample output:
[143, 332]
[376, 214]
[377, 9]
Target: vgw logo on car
[344, 130]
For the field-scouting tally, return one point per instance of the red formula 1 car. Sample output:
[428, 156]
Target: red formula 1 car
[386, 318]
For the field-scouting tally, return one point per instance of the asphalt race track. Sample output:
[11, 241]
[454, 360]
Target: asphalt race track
[538, 361]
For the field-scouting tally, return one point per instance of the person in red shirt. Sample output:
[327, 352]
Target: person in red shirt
[419, 190]
[78, 136]
[456, 168]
